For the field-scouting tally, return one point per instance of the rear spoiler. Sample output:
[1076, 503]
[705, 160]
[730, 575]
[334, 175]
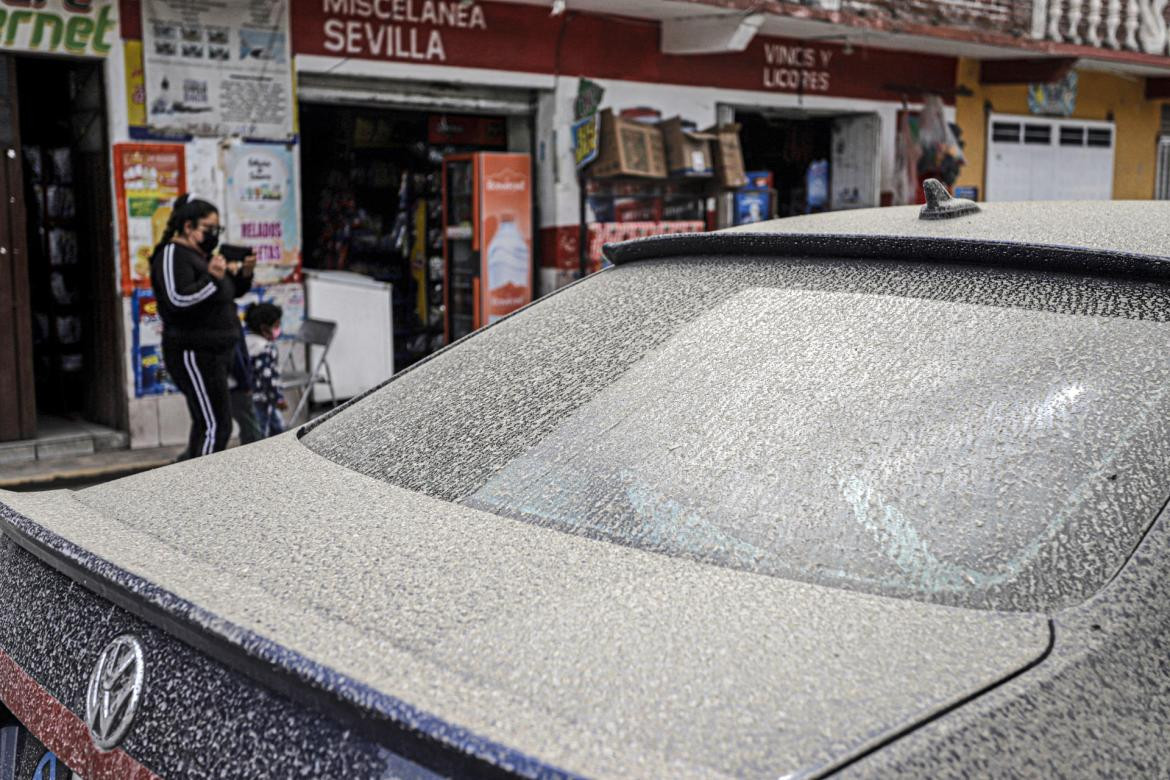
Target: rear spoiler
[964, 251]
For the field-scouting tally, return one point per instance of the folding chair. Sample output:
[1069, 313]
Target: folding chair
[313, 333]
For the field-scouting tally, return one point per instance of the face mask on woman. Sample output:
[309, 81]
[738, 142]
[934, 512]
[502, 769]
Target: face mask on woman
[210, 241]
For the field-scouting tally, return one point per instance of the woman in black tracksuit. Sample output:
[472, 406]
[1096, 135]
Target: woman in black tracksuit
[196, 299]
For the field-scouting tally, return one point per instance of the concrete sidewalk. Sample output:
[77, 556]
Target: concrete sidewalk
[83, 470]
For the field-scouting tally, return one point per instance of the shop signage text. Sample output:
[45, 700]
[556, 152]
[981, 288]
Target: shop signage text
[523, 38]
[796, 68]
[394, 29]
[66, 26]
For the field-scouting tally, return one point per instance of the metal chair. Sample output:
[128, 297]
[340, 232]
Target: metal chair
[313, 333]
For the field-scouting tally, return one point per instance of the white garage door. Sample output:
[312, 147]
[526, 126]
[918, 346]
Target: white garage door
[1033, 158]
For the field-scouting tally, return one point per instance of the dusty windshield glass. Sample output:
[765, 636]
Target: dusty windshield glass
[966, 436]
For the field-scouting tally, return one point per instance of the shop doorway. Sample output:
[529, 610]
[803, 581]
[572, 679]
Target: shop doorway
[65, 351]
[372, 195]
[817, 161]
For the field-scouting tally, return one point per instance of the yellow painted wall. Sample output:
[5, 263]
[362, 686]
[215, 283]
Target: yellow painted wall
[1137, 122]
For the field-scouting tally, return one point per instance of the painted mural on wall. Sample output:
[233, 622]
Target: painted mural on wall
[1059, 99]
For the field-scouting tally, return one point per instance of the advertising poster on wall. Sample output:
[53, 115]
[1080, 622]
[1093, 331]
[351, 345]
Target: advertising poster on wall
[218, 69]
[506, 224]
[262, 207]
[147, 179]
[150, 375]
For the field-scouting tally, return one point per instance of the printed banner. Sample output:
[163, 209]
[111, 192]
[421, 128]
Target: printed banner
[135, 83]
[602, 233]
[148, 178]
[150, 375]
[585, 136]
[261, 209]
[506, 231]
[85, 28]
[218, 69]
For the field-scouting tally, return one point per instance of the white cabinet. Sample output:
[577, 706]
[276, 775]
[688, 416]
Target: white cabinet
[362, 353]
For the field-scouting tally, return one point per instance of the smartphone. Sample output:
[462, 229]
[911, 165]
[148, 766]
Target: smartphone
[234, 253]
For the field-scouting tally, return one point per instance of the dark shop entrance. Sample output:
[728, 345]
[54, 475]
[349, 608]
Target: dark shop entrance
[60, 348]
[818, 161]
[372, 201]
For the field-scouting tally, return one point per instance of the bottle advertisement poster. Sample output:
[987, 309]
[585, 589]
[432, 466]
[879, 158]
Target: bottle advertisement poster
[262, 208]
[218, 69]
[147, 179]
[506, 233]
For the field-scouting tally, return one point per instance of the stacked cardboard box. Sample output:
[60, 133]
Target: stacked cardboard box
[629, 148]
[688, 152]
[729, 167]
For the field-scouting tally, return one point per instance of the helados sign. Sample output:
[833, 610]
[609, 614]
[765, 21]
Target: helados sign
[82, 27]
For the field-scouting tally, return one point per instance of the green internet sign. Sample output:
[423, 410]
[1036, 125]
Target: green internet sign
[79, 27]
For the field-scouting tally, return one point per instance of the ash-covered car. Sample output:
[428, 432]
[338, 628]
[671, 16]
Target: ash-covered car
[856, 493]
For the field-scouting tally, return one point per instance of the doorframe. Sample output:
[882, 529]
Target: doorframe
[106, 400]
[18, 420]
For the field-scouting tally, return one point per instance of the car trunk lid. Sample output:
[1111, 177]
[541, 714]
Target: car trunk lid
[483, 631]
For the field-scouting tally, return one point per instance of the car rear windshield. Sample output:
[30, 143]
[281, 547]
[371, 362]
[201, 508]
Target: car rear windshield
[969, 436]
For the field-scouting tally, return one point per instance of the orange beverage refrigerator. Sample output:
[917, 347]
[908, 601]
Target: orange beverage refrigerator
[487, 238]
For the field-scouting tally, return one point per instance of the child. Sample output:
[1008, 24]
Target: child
[263, 321]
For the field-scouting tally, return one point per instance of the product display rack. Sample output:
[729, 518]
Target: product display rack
[380, 216]
[460, 251]
[57, 275]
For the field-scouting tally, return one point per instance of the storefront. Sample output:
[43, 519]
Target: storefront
[60, 354]
[381, 139]
[372, 189]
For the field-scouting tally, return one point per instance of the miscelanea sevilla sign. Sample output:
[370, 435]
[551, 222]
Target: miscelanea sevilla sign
[397, 29]
[520, 37]
[77, 27]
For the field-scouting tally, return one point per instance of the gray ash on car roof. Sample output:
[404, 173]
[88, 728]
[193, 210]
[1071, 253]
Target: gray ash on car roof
[1139, 227]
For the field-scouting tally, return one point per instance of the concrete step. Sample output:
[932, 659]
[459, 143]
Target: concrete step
[63, 439]
[83, 470]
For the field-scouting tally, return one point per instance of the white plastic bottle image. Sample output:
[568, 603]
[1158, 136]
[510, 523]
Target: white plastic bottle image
[508, 269]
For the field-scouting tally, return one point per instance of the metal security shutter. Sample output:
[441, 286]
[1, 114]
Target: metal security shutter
[1037, 158]
[422, 96]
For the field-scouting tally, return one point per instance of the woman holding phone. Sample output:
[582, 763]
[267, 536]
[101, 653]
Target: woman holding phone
[196, 290]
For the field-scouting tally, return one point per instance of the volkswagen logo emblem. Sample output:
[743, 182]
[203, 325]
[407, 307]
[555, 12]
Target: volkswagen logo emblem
[115, 690]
